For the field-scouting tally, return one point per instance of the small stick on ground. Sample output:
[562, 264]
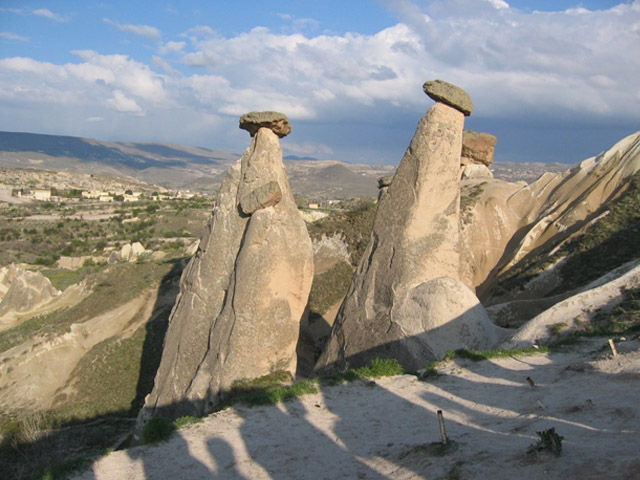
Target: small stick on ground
[614, 350]
[443, 432]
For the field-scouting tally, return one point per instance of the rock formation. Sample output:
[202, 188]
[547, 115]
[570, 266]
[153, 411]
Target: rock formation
[508, 222]
[478, 148]
[244, 293]
[576, 311]
[23, 291]
[413, 256]
[277, 122]
[128, 253]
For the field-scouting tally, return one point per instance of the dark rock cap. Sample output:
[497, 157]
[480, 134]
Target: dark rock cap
[449, 94]
[275, 121]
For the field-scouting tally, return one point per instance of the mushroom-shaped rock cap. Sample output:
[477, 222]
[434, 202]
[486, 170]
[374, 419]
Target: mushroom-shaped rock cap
[275, 121]
[449, 94]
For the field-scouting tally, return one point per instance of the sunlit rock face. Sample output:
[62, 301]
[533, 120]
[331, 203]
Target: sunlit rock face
[412, 253]
[243, 294]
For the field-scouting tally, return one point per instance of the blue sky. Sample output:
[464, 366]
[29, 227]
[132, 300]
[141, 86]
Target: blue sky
[554, 80]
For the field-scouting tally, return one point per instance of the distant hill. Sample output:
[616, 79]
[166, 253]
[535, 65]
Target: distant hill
[178, 166]
[173, 166]
[295, 157]
[202, 169]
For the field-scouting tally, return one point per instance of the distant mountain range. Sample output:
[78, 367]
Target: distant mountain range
[201, 169]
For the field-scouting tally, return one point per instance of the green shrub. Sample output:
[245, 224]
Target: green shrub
[329, 287]
[549, 440]
[158, 429]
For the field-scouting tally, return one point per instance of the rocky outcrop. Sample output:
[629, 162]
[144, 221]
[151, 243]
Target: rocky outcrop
[329, 251]
[439, 315]
[415, 240]
[33, 372]
[277, 122]
[129, 252]
[450, 95]
[24, 291]
[509, 221]
[243, 294]
[478, 148]
[475, 171]
[577, 311]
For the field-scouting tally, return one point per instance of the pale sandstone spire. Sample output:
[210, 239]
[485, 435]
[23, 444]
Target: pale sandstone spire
[412, 262]
[245, 291]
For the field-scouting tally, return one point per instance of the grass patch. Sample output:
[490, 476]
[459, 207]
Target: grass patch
[186, 420]
[269, 389]
[607, 244]
[61, 278]
[558, 328]
[106, 379]
[430, 371]
[62, 470]
[468, 199]
[277, 387]
[379, 367]
[329, 287]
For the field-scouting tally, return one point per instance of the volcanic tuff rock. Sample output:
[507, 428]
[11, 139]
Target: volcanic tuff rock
[415, 240]
[275, 121]
[242, 295]
[439, 315]
[23, 291]
[509, 221]
[476, 171]
[449, 94]
[478, 147]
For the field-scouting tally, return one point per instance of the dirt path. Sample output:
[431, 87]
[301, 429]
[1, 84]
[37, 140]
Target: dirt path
[385, 429]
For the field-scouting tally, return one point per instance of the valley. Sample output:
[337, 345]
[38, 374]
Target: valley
[82, 338]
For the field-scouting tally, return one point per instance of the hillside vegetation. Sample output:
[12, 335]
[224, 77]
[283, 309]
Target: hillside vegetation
[604, 245]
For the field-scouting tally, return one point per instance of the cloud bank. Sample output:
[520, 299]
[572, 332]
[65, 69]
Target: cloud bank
[344, 93]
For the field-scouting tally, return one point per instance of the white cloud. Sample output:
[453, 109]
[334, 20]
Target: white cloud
[46, 13]
[95, 119]
[150, 33]
[124, 104]
[171, 47]
[164, 65]
[513, 64]
[13, 36]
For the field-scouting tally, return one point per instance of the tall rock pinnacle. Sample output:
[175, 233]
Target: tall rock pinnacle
[243, 294]
[389, 309]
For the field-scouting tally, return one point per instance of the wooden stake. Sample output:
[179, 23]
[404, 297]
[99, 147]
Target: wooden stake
[443, 432]
[614, 350]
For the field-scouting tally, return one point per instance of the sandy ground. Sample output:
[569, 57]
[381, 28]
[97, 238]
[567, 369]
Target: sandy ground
[389, 428]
